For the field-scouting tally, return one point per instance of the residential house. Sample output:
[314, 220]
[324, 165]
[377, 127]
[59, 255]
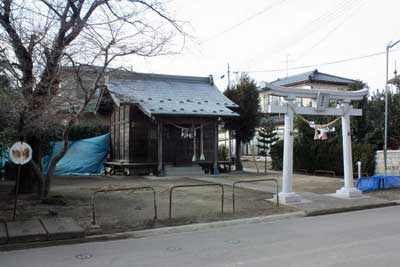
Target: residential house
[307, 80]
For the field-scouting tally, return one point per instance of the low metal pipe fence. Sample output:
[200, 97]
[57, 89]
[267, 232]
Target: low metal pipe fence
[195, 185]
[253, 181]
[134, 189]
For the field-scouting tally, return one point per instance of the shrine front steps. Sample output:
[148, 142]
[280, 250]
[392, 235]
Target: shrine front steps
[40, 230]
[194, 170]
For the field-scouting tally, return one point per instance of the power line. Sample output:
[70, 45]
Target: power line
[312, 26]
[317, 65]
[329, 33]
[319, 23]
[249, 18]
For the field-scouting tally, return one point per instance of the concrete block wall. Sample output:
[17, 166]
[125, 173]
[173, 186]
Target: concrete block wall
[393, 162]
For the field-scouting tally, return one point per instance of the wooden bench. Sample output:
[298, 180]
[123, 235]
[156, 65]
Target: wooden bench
[126, 167]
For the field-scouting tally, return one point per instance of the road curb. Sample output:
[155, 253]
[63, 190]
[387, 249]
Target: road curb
[191, 227]
[155, 232]
[206, 226]
[348, 209]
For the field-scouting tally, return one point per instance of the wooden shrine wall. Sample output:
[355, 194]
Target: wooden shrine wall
[133, 135]
[179, 150]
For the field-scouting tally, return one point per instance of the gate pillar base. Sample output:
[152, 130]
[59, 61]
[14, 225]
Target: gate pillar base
[348, 192]
[288, 198]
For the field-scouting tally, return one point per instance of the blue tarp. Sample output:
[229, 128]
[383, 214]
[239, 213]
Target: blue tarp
[378, 182]
[3, 159]
[84, 157]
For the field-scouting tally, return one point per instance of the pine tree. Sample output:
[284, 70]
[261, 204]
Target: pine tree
[245, 95]
[267, 137]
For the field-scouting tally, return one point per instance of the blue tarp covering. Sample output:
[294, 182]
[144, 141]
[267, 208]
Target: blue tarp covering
[3, 159]
[84, 157]
[378, 182]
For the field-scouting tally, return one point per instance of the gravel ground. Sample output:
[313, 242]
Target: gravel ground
[125, 210]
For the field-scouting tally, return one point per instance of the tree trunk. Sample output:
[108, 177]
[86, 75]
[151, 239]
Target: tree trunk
[238, 161]
[41, 179]
[46, 186]
[57, 158]
[29, 180]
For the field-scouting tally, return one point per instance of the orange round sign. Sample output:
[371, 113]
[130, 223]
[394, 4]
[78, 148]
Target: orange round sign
[20, 153]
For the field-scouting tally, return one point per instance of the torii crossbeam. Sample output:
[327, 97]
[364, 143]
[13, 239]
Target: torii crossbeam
[321, 100]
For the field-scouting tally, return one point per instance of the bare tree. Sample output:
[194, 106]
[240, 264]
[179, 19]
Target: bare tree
[39, 37]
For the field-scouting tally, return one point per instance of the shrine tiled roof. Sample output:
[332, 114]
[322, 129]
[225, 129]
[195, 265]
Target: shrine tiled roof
[158, 94]
[312, 76]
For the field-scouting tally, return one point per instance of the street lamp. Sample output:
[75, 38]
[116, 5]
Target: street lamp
[390, 45]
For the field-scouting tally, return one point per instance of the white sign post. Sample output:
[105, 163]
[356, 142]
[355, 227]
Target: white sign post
[20, 154]
[321, 100]
[359, 168]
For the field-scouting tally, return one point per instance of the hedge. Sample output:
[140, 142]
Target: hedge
[324, 156]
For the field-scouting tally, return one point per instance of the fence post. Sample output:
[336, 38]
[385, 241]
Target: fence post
[359, 168]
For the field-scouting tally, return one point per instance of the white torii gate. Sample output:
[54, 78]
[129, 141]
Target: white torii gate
[320, 106]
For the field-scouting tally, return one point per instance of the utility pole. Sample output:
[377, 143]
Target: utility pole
[390, 45]
[386, 111]
[229, 131]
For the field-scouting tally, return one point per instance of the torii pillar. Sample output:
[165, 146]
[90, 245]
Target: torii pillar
[348, 190]
[287, 195]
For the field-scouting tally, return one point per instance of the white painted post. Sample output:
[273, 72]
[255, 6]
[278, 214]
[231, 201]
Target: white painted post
[347, 154]
[287, 176]
[348, 190]
[359, 168]
[287, 196]
[194, 158]
[202, 157]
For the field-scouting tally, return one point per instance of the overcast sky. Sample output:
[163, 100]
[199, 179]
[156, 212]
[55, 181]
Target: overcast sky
[259, 35]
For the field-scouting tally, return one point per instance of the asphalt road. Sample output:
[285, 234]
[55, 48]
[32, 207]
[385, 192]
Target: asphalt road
[364, 238]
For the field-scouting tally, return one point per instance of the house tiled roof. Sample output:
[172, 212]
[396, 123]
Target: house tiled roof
[312, 76]
[158, 94]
